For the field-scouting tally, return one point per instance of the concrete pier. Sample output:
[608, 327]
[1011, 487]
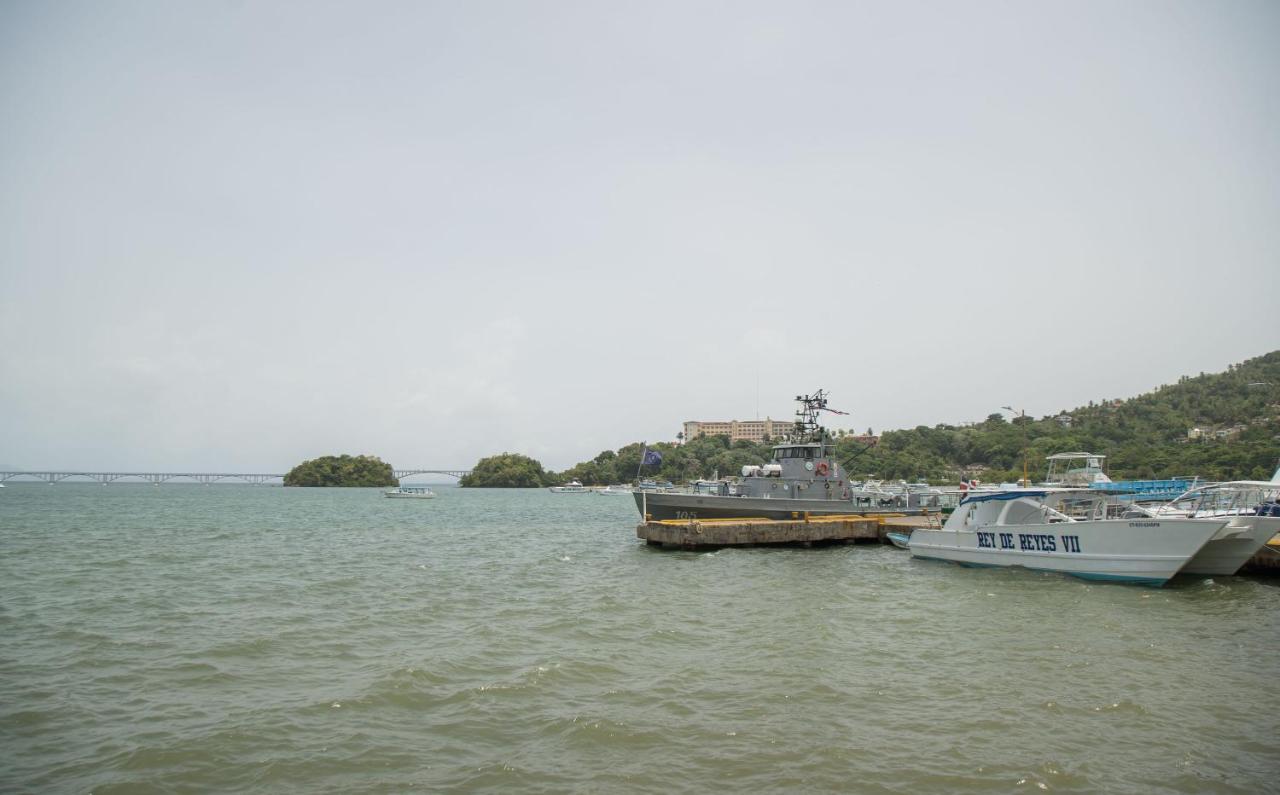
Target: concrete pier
[801, 531]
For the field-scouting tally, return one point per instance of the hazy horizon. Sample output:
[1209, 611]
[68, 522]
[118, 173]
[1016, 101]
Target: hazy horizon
[234, 237]
[833, 423]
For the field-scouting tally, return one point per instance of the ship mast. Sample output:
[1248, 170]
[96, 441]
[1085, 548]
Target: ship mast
[806, 428]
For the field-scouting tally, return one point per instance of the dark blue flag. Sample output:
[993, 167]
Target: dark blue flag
[652, 458]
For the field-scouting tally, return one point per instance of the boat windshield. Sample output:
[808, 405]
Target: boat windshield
[780, 453]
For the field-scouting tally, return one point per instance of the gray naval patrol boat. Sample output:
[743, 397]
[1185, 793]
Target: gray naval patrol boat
[803, 477]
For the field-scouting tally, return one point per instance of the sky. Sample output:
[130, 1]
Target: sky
[238, 235]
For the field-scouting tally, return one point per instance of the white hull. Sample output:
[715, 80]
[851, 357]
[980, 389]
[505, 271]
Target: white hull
[1121, 550]
[1233, 546]
[396, 495]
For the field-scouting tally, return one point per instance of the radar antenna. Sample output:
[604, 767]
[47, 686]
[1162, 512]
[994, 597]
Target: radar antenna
[806, 427]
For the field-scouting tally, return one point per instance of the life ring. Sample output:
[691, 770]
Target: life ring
[823, 469]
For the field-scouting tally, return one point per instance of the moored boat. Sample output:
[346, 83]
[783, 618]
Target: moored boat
[1064, 530]
[572, 487]
[1252, 511]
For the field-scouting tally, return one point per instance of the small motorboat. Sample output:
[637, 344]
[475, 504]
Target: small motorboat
[572, 487]
[410, 493]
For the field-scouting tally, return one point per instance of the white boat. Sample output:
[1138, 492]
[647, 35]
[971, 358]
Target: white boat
[1064, 530]
[572, 487]
[612, 491]
[410, 493]
[1252, 511]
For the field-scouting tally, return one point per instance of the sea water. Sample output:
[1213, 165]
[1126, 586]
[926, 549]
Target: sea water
[257, 639]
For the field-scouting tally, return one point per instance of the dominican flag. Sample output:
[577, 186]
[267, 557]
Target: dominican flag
[652, 458]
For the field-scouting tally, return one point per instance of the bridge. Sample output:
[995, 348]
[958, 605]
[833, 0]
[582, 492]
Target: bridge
[256, 478]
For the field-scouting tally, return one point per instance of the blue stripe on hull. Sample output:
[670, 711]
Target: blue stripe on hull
[1084, 575]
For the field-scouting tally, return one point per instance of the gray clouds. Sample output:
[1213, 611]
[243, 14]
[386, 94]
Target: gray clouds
[237, 235]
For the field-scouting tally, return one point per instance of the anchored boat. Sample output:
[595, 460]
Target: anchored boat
[803, 477]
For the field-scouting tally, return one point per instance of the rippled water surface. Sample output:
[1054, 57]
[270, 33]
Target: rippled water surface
[257, 639]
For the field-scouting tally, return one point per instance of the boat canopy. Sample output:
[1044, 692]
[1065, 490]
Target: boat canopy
[1003, 495]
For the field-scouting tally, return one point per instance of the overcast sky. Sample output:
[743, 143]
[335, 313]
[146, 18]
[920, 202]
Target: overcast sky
[235, 235]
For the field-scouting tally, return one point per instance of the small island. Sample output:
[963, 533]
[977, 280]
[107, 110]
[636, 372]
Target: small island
[342, 470]
[507, 471]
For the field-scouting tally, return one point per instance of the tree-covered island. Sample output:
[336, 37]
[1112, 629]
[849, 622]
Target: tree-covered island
[507, 471]
[342, 470]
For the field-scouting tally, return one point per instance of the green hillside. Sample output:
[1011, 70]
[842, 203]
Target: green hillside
[1237, 414]
[1234, 418]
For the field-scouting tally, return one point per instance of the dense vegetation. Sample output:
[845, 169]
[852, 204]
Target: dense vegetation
[508, 470]
[342, 470]
[1237, 411]
[1143, 437]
